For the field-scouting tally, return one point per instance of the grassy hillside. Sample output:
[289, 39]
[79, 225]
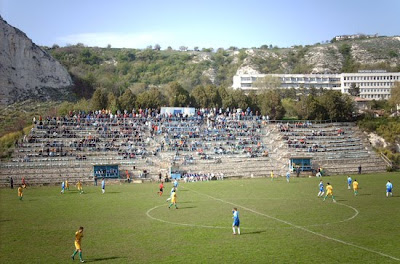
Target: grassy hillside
[119, 69]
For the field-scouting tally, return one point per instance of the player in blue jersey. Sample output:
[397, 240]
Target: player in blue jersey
[389, 187]
[349, 182]
[175, 185]
[288, 176]
[236, 221]
[321, 189]
[62, 187]
[103, 185]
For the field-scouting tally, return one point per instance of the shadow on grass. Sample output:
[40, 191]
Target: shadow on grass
[253, 232]
[112, 192]
[71, 192]
[101, 259]
[363, 194]
[187, 207]
[341, 200]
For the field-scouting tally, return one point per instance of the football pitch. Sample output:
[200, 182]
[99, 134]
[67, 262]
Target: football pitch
[280, 223]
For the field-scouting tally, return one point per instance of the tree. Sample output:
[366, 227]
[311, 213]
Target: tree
[354, 90]
[267, 82]
[112, 103]
[207, 96]
[87, 56]
[150, 99]
[290, 107]
[183, 48]
[207, 49]
[127, 100]
[99, 99]
[288, 93]
[230, 98]
[395, 95]
[314, 109]
[196, 48]
[252, 99]
[271, 105]
[200, 97]
[82, 105]
[242, 54]
[214, 99]
[157, 47]
[177, 95]
[313, 91]
[240, 99]
[338, 106]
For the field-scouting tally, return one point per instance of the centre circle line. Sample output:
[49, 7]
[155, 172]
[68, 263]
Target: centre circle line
[224, 227]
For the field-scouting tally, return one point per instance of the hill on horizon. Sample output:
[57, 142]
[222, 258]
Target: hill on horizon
[117, 69]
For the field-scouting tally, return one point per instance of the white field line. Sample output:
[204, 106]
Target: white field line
[174, 223]
[224, 227]
[299, 227]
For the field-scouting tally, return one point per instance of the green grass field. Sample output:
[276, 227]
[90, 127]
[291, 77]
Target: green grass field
[280, 223]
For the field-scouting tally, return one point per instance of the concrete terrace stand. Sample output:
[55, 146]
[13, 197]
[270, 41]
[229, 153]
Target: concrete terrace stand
[71, 148]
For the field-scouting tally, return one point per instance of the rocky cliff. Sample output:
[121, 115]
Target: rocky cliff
[26, 70]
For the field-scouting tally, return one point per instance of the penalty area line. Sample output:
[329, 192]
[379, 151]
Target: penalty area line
[298, 227]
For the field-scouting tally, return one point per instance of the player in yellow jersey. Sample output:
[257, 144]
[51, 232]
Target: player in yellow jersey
[78, 238]
[79, 186]
[173, 200]
[329, 191]
[20, 193]
[66, 185]
[355, 187]
[272, 175]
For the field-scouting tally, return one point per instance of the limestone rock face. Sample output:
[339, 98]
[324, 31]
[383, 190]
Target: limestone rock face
[26, 70]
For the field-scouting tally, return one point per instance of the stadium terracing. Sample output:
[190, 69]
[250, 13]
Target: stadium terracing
[145, 146]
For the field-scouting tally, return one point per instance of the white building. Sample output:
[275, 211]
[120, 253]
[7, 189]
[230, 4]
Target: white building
[373, 84]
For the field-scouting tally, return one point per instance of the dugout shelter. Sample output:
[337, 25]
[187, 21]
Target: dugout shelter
[110, 171]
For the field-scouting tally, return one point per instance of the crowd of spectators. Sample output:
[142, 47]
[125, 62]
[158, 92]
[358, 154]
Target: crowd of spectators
[207, 134]
[201, 176]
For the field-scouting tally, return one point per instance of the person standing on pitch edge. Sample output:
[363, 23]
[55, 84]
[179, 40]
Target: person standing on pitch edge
[236, 221]
[389, 187]
[103, 186]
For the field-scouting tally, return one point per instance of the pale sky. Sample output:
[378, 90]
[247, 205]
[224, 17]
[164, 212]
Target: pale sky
[207, 23]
